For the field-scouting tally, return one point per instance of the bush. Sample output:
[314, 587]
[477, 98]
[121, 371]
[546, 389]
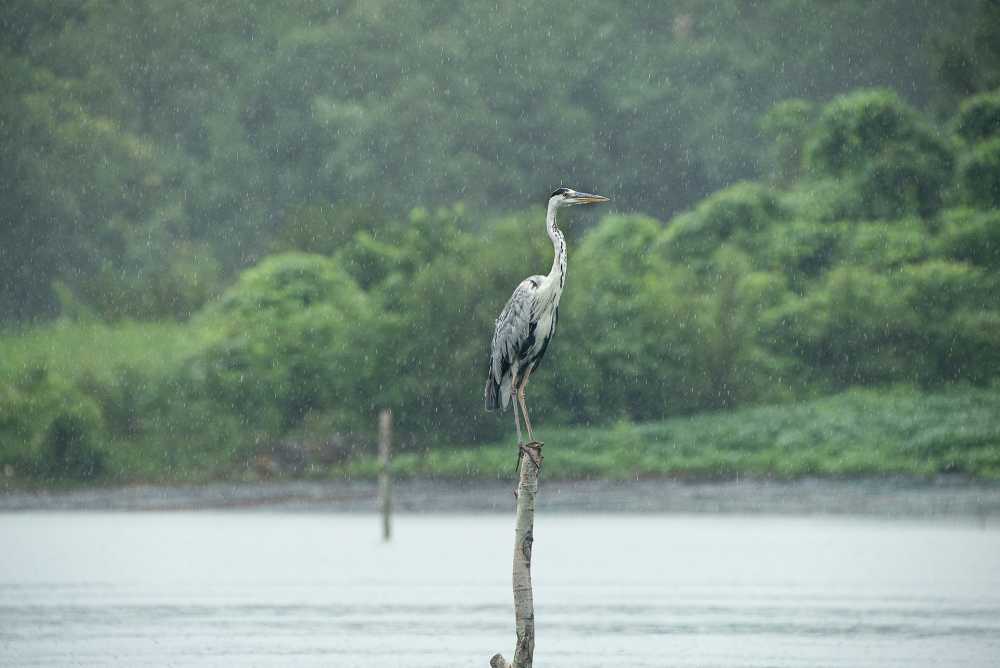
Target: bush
[801, 250]
[290, 337]
[904, 180]
[739, 215]
[956, 309]
[148, 283]
[979, 117]
[68, 445]
[785, 125]
[980, 174]
[824, 199]
[971, 236]
[49, 429]
[883, 245]
[895, 160]
[847, 329]
[630, 319]
[650, 338]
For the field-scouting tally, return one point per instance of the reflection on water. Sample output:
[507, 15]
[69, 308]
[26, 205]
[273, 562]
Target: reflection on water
[132, 589]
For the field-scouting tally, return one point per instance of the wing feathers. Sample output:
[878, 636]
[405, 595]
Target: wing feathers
[514, 329]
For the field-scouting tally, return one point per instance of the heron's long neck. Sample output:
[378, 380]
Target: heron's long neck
[557, 275]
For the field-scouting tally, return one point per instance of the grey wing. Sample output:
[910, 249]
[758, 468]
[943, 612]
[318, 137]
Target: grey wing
[513, 328]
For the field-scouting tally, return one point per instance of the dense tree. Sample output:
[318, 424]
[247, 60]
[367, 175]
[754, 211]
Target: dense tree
[966, 57]
[211, 127]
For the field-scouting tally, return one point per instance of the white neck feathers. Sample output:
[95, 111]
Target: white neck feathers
[557, 275]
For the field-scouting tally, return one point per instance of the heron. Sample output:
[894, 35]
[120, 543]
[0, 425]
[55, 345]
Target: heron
[528, 322]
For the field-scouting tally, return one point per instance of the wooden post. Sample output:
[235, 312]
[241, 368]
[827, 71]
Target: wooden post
[524, 605]
[384, 487]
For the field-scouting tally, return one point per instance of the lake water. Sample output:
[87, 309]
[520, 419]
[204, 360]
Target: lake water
[310, 589]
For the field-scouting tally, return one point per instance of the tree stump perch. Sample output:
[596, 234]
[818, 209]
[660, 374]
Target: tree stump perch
[524, 606]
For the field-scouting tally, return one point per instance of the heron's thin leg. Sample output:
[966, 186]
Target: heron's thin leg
[524, 407]
[524, 410]
[517, 421]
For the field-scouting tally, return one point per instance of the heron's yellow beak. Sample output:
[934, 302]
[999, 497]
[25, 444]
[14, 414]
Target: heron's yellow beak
[587, 198]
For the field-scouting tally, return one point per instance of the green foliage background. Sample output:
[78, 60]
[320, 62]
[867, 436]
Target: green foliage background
[227, 226]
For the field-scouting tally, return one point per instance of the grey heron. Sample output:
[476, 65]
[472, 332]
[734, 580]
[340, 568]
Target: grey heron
[528, 321]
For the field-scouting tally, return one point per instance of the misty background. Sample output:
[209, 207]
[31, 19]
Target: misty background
[231, 232]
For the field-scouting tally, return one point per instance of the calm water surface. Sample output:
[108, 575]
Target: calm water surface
[309, 589]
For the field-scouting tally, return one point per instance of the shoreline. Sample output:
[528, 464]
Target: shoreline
[890, 497]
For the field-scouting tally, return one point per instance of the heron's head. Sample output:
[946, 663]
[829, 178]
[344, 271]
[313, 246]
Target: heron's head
[568, 197]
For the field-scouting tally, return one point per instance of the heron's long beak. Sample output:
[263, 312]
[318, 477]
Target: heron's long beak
[587, 198]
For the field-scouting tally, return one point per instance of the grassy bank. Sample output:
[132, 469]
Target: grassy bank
[858, 433]
[91, 403]
[74, 350]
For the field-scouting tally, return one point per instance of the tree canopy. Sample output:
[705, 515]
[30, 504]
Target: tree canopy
[208, 128]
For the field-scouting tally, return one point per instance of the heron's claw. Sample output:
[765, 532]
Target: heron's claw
[533, 451]
[517, 463]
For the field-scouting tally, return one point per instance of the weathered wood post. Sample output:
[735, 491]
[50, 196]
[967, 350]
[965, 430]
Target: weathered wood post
[384, 483]
[524, 605]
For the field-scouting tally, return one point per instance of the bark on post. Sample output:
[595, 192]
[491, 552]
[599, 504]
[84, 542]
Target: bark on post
[524, 606]
[384, 484]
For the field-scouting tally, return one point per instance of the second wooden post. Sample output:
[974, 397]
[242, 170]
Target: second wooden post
[384, 482]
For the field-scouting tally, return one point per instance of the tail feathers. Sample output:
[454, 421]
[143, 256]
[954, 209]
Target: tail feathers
[492, 395]
[497, 394]
[505, 390]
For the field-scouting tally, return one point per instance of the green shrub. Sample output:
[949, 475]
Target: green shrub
[68, 445]
[824, 199]
[884, 245]
[739, 214]
[929, 322]
[905, 180]
[971, 236]
[49, 429]
[125, 395]
[627, 342]
[894, 159]
[290, 337]
[978, 117]
[17, 430]
[628, 345]
[785, 125]
[957, 308]
[650, 338]
[980, 174]
[847, 329]
[617, 249]
[145, 282]
[800, 249]
[737, 369]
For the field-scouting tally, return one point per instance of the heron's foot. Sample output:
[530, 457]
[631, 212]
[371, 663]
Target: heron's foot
[517, 462]
[532, 451]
